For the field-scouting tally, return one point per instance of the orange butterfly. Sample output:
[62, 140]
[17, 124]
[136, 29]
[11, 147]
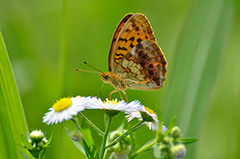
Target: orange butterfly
[135, 59]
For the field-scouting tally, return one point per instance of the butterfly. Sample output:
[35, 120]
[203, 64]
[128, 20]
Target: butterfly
[135, 59]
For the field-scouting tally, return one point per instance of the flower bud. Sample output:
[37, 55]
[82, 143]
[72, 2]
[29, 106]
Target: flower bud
[44, 140]
[40, 144]
[166, 139]
[176, 132]
[122, 148]
[163, 148]
[76, 135]
[30, 141]
[179, 151]
[36, 135]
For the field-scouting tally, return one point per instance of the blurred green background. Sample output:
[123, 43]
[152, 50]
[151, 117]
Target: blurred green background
[201, 42]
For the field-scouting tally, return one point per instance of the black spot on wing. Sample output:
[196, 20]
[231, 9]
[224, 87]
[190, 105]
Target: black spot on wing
[122, 48]
[139, 40]
[131, 45]
[116, 60]
[132, 38]
[121, 39]
[120, 54]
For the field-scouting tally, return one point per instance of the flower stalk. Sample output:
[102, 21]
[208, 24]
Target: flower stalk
[103, 146]
[100, 132]
[143, 149]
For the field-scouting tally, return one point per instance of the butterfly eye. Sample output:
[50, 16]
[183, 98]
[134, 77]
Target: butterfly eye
[106, 77]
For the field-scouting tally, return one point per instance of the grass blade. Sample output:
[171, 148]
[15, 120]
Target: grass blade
[12, 119]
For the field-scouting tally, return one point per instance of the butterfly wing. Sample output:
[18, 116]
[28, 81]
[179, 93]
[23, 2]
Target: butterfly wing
[144, 66]
[115, 37]
[132, 29]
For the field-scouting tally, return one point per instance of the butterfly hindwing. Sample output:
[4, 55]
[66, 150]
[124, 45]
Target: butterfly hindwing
[144, 66]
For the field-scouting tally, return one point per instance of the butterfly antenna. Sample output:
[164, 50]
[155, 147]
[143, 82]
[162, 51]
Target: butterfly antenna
[92, 66]
[77, 69]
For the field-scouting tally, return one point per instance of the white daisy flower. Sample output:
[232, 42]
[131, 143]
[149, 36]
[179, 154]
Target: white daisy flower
[148, 116]
[97, 103]
[64, 109]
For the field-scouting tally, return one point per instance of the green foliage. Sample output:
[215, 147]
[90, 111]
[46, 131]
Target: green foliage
[12, 119]
[133, 144]
[188, 140]
[88, 142]
[35, 144]
[76, 143]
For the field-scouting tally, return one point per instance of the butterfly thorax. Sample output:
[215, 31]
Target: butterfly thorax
[117, 81]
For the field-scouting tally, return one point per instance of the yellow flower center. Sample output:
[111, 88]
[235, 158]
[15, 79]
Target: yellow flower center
[149, 110]
[146, 116]
[111, 102]
[62, 104]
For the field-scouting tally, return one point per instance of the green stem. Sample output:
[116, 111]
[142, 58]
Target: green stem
[92, 125]
[75, 120]
[143, 149]
[63, 51]
[134, 128]
[103, 146]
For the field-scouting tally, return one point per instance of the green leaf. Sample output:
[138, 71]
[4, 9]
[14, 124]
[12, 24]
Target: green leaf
[76, 143]
[25, 155]
[156, 151]
[145, 148]
[88, 142]
[172, 124]
[49, 141]
[12, 117]
[160, 119]
[42, 153]
[26, 143]
[133, 145]
[189, 140]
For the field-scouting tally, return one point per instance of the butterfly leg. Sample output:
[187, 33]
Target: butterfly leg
[120, 95]
[112, 93]
[101, 90]
[141, 82]
[125, 95]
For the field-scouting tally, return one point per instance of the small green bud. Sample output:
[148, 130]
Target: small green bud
[166, 139]
[176, 132]
[164, 148]
[122, 148]
[30, 141]
[76, 135]
[178, 151]
[40, 144]
[36, 135]
[44, 140]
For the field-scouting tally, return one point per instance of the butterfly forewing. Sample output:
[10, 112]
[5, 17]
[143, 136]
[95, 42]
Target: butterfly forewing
[132, 30]
[115, 36]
